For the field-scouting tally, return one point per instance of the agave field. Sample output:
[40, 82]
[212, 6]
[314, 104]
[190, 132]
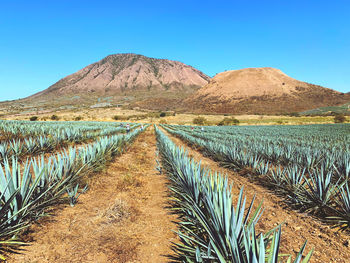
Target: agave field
[211, 228]
[308, 165]
[30, 181]
[43, 164]
[20, 138]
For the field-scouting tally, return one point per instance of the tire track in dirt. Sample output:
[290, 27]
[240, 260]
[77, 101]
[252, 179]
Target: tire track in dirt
[330, 245]
[122, 218]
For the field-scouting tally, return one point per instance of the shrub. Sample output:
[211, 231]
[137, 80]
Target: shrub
[339, 118]
[120, 118]
[152, 115]
[33, 118]
[199, 120]
[55, 117]
[78, 118]
[162, 114]
[294, 114]
[228, 121]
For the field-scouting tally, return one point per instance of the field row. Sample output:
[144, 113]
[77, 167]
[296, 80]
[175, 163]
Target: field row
[318, 186]
[10, 130]
[62, 137]
[28, 189]
[211, 229]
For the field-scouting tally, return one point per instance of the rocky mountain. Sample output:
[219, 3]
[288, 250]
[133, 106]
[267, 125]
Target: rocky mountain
[124, 74]
[261, 91]
[133, 81]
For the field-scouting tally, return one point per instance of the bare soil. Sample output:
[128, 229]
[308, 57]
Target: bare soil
[329, 244]
[122, 218]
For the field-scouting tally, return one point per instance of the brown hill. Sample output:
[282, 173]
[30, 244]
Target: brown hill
[261, 91]
[131, 77]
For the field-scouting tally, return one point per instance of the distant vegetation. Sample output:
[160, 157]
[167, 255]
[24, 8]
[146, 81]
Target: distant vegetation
[339, 118]
[294, 114]
[137, 117]
[54, 117]
[329, 111]
[199, 120]
[33, 118]
[120, 118]
[228, 121]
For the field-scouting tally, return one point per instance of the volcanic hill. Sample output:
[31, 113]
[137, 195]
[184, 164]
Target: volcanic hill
[131, 78]
[261, 91]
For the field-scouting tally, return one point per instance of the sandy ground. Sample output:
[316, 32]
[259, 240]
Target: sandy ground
[122, 218]
[329, 244]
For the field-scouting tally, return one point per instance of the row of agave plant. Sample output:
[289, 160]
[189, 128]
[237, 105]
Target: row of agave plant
[28, 189]
[21, 129]
[313, 190]
[211, 228]
[10, 130]
[42, 144]
[330, 149]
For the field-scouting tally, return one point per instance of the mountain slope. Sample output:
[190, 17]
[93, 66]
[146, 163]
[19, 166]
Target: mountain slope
[123, 73]
[261, 91]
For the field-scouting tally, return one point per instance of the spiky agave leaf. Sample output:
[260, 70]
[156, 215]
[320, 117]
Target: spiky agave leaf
[342, 218]
[320, 190]
[215, 231]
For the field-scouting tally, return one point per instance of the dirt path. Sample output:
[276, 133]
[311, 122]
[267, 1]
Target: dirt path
[122, 218]
[330, 245]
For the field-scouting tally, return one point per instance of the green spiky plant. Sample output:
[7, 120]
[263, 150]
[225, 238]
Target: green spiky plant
[211, 228]
[27, 190]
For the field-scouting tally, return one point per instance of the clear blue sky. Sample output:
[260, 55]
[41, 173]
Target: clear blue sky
[43, 41]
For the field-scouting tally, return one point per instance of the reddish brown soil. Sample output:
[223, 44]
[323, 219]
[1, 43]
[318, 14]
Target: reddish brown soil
[329, 244]
[122, 218]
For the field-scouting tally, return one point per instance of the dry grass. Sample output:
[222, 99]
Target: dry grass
[128, 181]
[116, 213]
[187, 119]
[107, 114]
